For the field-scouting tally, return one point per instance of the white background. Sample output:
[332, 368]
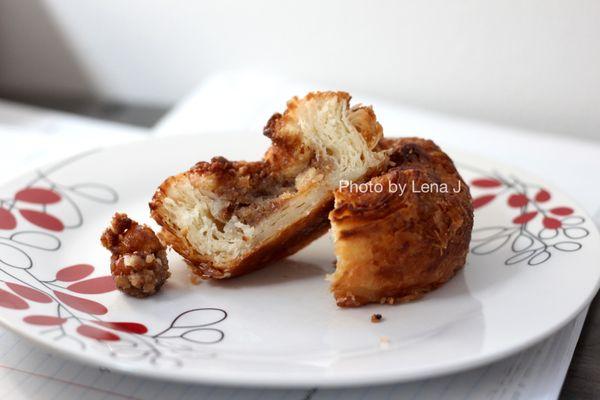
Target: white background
[531, 63]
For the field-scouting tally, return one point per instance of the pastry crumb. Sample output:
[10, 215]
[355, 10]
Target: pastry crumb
[375, 318]
[384, 342]
[195, 279]
[138, 264]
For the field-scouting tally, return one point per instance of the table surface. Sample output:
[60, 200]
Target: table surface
[583, 378]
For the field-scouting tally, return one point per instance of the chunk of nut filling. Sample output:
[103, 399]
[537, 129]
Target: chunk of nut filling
[138, 263]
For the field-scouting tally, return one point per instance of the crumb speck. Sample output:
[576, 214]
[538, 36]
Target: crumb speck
[195, 279]
[376, 318]
[384, 342]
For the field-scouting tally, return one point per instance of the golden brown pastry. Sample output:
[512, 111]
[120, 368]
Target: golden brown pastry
[392, 245]
[138, 263]
[227, 218]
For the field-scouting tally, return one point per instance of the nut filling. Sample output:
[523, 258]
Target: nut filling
[138, 263]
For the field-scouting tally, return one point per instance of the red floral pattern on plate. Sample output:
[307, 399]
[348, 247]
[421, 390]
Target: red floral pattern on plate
[560, 230]
[72, 316]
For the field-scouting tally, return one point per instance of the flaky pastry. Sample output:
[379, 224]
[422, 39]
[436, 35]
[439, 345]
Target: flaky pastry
[392, 245]
[227, 218]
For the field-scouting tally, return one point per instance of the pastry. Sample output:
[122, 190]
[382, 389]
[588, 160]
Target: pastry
[406, 235]
[227, 218]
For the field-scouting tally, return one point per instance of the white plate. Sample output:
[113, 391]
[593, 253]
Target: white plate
[280, 326]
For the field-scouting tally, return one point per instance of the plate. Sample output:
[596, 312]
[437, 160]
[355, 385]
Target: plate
[533, 265]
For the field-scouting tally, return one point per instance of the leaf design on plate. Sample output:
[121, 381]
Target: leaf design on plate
[483, 200]
[572, 221]
[38, 195]
[562, 211]
[9, 300]
[539, 258]
[525, 217]
[42, 219]
[74, 272]
[199, 317]
[96, 333]
[520, 257]
[81, 304]
[576, 232]
[203, 335]
[14, 257]
[486, 182]
[7, 219]
[517, 200]
[29, 293]
[546, 233]
[567, 246]
[542, 196]
[102, 284]
[491, 245]
[522, 242]
[45, 320]
[96, 192]
[551, 223]
[129, 327]
[37, 240]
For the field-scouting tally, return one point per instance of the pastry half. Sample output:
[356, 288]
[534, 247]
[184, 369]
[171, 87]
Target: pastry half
[392, 245]
[227, 218]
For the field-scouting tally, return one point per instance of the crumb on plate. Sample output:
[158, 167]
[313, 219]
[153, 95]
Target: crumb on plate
[138, 264]
[376, 318]
[195, 279]
[384, 342]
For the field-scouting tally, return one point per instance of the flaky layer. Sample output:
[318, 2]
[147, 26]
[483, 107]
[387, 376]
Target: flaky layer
[393, 247]
[227, 218]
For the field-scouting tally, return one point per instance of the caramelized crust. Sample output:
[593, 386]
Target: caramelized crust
[138, 263]
[394, 247]
[227, 218]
